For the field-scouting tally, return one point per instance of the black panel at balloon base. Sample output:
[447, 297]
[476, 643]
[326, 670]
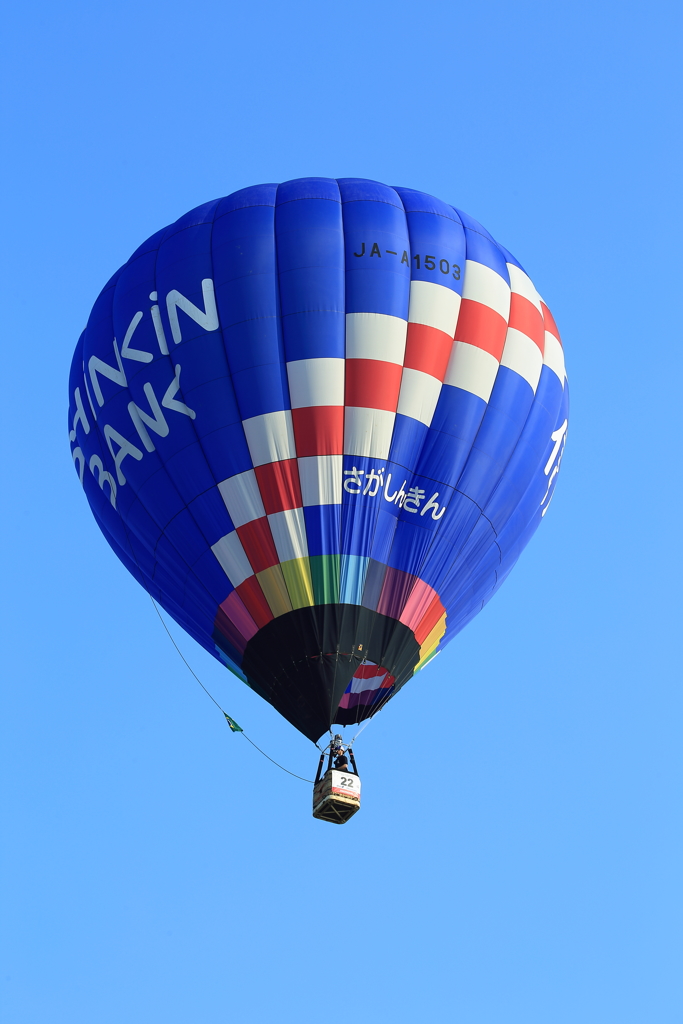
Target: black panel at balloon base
[336, 797]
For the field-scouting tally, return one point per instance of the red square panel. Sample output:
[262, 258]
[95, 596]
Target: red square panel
[428, 350]
[525, 317]
[257, 541]
[278, 483]
[549, 322]
[372, 384]
[230, 631]
[319, 430]
[481, 326]
[435, 611]
[255, 601]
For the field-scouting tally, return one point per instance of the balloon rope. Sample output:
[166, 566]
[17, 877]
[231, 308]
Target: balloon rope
[184, 659]
[187, 665]
[191, 670]
[275, 762]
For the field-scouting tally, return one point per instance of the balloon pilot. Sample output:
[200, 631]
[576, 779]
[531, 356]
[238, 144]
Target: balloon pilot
[336, 793]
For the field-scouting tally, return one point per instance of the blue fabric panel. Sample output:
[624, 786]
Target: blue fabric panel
[363, 531]
[156, 505]
[374, 580]
[231, 664]
[197, 624]
[261, 389]
[245, 198]
[183, 534]
[435, 230]
[481, 247]
[469, 603]
[512, 396]
[359, 513]
[242, 247]
[203, 214]
[444, 457]
[226, 451]
[149, 245]
[160, 498]
[352, 578]
[250, 344]
[217, 584]
[355, 190]
[311, 289]
[461, 517]
[323, 524]
[383, 535]
[209, 512]
[307, 188]
[310, 255]
[531, 452]
[411, 545]
[162, 377]
[421, 202]
[314, 334]
[458, 413]
[509, 258]
[500, 429]
[183, 262]
[190, 472]
[478, 561]
[417, 531]
[251, 295]
[308, 233]
[203, 362]
[376, 281]
[407, 442]
[207, 386]
[539, 493]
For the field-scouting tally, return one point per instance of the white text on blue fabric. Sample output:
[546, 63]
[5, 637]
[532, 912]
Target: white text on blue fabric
[155, 420]
[410, 500]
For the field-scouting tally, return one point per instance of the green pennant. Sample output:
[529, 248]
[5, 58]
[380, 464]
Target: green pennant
[233, 724]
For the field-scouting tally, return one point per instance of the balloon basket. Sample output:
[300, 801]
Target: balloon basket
[336, 797]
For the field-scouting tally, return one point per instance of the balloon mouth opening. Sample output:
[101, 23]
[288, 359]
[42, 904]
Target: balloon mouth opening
[306, 664]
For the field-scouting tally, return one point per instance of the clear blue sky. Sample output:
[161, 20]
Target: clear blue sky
[518, 856]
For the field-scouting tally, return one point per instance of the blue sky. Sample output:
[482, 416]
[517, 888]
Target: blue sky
[517, 857]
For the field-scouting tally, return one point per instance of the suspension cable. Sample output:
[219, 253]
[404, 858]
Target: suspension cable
[230, 721]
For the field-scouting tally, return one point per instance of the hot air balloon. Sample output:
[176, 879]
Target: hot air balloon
[318, 422]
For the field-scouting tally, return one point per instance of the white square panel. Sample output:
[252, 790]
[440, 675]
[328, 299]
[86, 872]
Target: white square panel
[270, 437]
[316, 382]
[230, 553]
[242, 497]
[376, 336]
[434, 305]
[368, 432]
[321, 479]
[289, 533]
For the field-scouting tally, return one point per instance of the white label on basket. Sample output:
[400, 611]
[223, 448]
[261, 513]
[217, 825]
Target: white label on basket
[345, 782]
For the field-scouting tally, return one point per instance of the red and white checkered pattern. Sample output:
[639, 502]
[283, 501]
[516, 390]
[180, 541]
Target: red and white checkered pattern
[432, 317]
[525, 338]
[553, 354]
[480, 332]
[349, 406]
[375, 350]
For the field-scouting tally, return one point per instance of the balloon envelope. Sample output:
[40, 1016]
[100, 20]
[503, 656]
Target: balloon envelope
[318, 422]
